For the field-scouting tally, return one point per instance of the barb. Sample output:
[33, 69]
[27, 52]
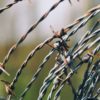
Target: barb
[3, 70]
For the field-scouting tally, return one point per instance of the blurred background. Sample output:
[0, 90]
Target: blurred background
[15, 21]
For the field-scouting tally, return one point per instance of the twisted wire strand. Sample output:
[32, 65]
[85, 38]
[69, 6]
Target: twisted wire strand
[88, 84]
[9, 6]
[71, 2]
[97, 49]
[57, 95]
[68, 30]
[72, 52]
[52, 74]
[85, 37]
[49, 77]
[48, 80]
[51, 92]
[87, 47]
[95, 26]
[56, 66]
[96, 62]
[80, 42]
[91, 36]
[80, 90]
[92, 31]
[77, 45]
[93, 78]
[31, 54]
[44, 87]
[56, 83]
[70, 75]
[90, 14]
[82, 18]
[57, 79]
[13, 48]
[87, 74]
[87, 56]
[93, 11]
[93, 85]
[88, 38]
[35, 76]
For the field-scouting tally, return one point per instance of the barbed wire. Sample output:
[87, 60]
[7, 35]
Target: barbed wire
[28, 86]
[13, 48]
[81, 52]
[44, 85]
[47, 83]
[47, 41]
[86, 47]
[59, 75]
[70, 75]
